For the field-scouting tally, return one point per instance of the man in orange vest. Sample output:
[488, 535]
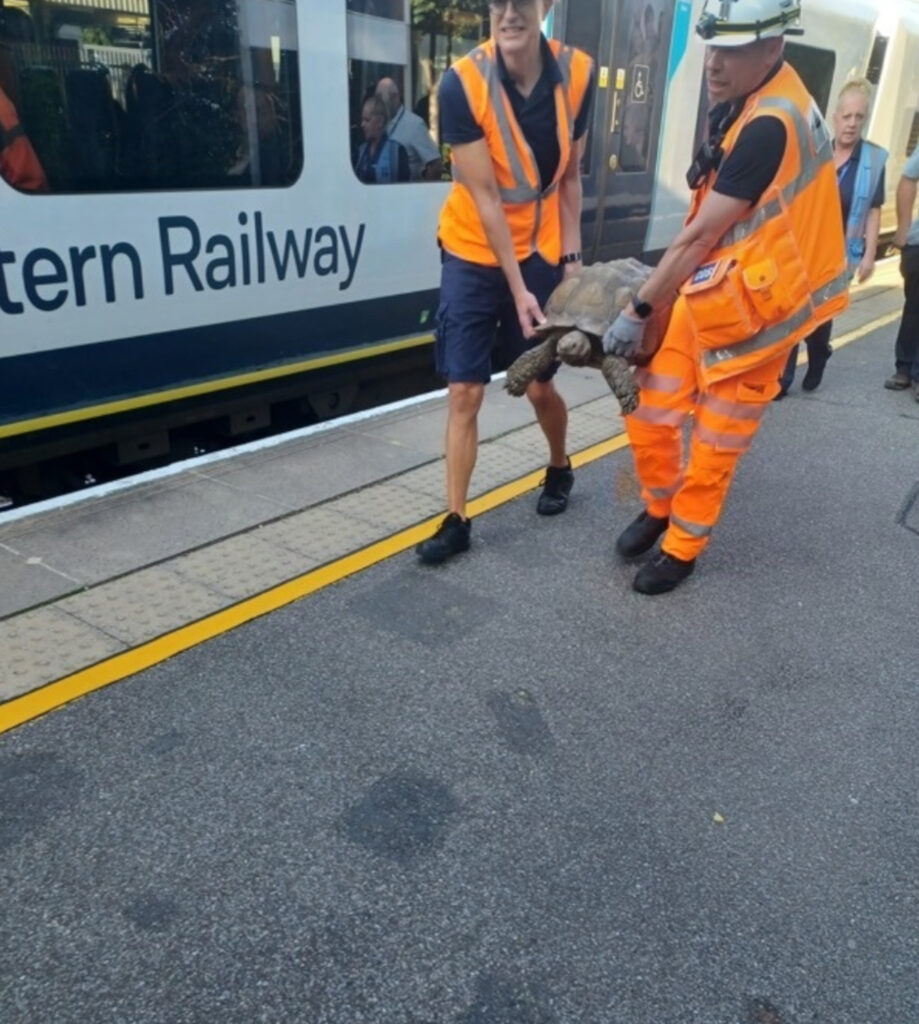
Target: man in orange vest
[19, 165]
[759, 264]
[515, 112]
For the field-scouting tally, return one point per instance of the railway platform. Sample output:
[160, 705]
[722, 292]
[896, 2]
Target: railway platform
[258, 764]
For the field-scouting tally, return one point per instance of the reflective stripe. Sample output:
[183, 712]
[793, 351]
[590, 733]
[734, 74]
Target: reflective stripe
[814, 153]
[835, 286]
[736, 410]
[764, 339]
[742, 229]
[660, 417]
[665, 492]
[693, 529]
[523, 191]
[564, 65]
[722, 438]
[659, 382]
[770, 336]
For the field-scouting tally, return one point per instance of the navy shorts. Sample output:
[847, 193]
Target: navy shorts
[477, 325]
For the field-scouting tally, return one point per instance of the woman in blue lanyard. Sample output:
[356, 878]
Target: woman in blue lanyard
[860, 174]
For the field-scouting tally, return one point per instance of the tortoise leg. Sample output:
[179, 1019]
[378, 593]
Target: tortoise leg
[617, 374]
[574, 348]
[528, 366]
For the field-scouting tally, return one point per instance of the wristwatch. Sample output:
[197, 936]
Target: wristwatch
[642, 309]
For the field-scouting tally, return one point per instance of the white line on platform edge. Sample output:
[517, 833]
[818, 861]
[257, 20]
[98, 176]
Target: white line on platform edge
[174, 468]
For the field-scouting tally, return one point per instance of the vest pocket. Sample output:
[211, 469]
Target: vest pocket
[719, 306]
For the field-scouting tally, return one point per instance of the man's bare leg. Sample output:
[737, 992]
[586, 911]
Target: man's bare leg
[462, 440]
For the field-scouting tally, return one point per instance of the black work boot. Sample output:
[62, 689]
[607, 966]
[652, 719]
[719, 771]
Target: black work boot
[661, 574]
[451, 538]
[640, 535]
[557, 485]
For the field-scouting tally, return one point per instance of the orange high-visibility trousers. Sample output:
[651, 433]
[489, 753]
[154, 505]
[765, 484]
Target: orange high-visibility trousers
[726, 416]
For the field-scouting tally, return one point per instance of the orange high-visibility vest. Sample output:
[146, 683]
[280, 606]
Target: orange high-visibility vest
[18, 163]
[531, 208]
[781, 270]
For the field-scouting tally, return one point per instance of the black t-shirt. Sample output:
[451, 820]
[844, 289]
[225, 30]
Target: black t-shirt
[535, 113]
[753, 163]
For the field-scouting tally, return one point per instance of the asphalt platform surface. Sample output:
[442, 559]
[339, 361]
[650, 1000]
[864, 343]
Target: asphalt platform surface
[510, 790]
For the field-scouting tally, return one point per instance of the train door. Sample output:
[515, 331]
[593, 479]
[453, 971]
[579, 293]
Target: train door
[630, 43]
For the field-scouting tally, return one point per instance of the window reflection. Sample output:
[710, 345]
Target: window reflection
[409, 65]
[133, 94]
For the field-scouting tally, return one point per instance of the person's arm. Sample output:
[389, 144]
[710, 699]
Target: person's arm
[570, 197]
[473, 163]
[716, 215]
[906, 197]
[872, 229]
[428, 153]
[690, 247]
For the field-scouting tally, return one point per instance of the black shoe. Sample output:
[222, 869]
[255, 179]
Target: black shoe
[451, 538]
[640, 535]
[783, 391]
[815, 374]
[662, 574]
[557, 485]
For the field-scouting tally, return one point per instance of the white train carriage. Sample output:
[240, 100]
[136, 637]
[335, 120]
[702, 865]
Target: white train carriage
[204, 242]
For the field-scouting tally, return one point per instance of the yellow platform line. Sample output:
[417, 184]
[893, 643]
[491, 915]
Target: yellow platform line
[55, 694]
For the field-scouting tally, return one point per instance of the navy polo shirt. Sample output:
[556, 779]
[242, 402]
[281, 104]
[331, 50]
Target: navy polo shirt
[846, 175]
[535, 113]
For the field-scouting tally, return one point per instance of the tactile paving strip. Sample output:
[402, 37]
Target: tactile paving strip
[429, 479]
[530, 440]
[242, 566]
[390, 507]
[143, 605]
[324, 532]
[497, 463]
[45, 644]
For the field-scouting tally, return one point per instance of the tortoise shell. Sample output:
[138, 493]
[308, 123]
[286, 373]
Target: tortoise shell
[592, 300]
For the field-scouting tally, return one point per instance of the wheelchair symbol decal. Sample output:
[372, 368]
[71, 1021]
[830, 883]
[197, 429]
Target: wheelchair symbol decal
[640, 73]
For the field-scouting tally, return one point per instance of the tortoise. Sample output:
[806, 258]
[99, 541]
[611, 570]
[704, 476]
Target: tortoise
[578, 312]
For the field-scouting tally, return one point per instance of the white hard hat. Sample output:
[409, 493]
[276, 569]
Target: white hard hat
[738, 22]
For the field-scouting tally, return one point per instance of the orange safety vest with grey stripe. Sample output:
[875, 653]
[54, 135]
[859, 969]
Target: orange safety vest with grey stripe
[18, 163]
[531, 208]
[780, 271]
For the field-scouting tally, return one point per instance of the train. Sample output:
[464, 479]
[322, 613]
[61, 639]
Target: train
[204, 248]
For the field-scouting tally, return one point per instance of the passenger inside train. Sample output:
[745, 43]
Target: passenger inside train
[380, 159]
[208, 100]
[409, 130]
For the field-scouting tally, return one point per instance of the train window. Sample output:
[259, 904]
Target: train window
[394, 9]
[815, 68]
[153, 94]
[876, 58]
[401, 64]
